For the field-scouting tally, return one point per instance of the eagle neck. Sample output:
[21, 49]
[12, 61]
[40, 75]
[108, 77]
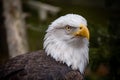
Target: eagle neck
[76, 58]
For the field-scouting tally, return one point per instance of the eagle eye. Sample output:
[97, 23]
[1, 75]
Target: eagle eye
[68, 28]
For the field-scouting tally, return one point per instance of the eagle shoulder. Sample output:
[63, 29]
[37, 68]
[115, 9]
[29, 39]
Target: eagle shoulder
[37, 66]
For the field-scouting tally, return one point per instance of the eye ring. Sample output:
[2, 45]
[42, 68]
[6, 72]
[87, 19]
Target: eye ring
[68, 28]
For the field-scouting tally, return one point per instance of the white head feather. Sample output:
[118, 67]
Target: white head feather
[64, 48]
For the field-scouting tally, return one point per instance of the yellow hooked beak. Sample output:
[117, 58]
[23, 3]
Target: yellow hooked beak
[82, 31]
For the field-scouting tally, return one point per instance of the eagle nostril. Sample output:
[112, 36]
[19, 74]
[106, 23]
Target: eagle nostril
[80, 27]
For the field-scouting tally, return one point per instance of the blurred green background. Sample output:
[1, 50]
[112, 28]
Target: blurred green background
[103, 18]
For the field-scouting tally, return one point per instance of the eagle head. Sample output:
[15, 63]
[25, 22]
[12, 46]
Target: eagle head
[67, 40]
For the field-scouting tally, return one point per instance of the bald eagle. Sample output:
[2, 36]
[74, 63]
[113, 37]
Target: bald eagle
[65, 54]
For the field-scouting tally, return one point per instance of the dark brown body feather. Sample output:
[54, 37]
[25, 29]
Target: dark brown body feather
[37, 66]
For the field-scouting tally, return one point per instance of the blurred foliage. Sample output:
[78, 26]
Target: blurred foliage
[104, 26]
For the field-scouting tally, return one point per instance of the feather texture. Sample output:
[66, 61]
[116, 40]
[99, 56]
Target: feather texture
[37, 66]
